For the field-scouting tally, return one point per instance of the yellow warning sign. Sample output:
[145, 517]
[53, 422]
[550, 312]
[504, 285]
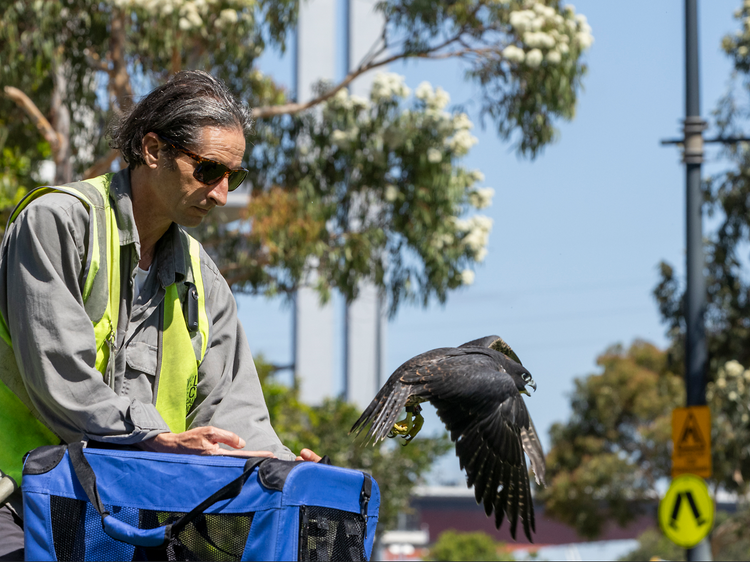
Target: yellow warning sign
[691, 439]
[686, 514]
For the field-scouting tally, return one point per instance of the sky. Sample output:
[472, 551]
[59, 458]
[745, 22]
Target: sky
[579, 231]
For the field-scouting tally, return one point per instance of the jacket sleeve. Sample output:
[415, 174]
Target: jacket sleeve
[53, 338]
[229, 395]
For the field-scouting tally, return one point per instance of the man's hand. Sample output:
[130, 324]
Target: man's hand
[202, 441]
[308, 455]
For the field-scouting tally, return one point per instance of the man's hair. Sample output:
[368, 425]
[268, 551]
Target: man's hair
[179, 109]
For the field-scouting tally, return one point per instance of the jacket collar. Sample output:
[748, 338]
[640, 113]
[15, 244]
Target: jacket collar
[172, 257]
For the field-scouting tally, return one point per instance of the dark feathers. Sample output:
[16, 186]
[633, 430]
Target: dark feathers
[476, 389]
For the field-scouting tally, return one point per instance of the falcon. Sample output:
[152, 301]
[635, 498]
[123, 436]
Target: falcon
[476, 389]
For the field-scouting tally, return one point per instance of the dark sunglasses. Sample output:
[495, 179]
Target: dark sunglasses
[210, 171]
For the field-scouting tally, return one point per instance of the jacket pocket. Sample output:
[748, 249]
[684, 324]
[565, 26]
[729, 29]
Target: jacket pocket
[142, 357]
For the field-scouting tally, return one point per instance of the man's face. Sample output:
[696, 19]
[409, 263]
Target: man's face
[182, 198]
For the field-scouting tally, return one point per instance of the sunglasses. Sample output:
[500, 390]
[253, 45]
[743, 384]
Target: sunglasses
[210, 171]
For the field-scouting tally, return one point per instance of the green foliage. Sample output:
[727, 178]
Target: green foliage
[369, 189]
[379, 195]
[44, 51]
[729, 540]
[452, 545]
[525, 56]
[607, 458]
[15, 175]
[727, 200]
[653, 544]
[324, 429]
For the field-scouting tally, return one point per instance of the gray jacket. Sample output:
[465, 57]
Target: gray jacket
[41, 267]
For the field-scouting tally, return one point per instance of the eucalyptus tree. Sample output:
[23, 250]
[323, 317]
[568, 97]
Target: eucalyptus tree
[380, 193]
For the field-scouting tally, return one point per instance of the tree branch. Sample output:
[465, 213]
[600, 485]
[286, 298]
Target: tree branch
[290, 108]
[102, 165]
[95, 61]
[45, 128]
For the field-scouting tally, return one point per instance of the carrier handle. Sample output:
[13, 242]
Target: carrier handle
[159, 536]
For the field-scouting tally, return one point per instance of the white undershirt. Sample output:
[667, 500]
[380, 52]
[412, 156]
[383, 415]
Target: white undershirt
[140, 279]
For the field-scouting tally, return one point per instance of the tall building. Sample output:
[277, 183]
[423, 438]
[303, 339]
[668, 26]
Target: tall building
[316, 353]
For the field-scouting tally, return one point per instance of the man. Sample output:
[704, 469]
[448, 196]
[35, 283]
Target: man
[122, 328]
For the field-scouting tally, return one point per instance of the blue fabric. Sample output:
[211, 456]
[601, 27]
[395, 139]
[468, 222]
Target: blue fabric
[129, 481]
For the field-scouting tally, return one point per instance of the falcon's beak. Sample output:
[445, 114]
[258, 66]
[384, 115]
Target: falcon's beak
[532, 384]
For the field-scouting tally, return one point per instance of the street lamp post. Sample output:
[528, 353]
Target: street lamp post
[696, 348]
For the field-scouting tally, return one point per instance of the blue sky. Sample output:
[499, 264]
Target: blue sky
[578, 232]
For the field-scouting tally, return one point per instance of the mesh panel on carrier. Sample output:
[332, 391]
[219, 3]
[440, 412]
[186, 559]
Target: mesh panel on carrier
[331, 534]
[75, 524]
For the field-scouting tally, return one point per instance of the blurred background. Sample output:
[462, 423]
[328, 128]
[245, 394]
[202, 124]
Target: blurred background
[424, 174]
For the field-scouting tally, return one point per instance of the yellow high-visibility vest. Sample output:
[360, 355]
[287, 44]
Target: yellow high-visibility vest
[20, 424]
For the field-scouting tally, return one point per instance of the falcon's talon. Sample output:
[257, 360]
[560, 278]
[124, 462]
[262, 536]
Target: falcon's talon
[409, 426]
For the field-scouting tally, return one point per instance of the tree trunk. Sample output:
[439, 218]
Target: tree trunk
[61, 124]
[119, 79]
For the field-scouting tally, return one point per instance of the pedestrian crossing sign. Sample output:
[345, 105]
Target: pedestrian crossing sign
[686, 513]
[691, 441]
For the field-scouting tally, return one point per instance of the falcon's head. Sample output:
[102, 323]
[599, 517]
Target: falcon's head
[522, 378]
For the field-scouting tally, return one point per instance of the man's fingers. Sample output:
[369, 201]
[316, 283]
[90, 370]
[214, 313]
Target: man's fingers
[308, 455]
[217, 435]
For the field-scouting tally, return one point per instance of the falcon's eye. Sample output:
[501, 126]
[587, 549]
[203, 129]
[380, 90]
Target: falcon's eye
[526, 377]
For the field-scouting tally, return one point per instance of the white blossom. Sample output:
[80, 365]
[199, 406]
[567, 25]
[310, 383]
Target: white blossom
[461, 142]
[476, 175]
[514, 54]
[553, 57]
[343, 139]
[359, 101]
[481, 198]
[585, 40]
[477, 233]
[434, 155]
[228, 17]
[733, 368]
[534, 58]
[440, 99]
[538, 39]
[387, 86]
[480, 255]
[546, 11]
[391, 193]
[467, 277]
[424, 91]
[521, 20]
[462, 121]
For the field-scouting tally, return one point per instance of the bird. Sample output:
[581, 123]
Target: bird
[476, 389]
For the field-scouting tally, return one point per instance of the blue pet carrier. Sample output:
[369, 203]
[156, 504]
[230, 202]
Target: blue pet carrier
[109, 504]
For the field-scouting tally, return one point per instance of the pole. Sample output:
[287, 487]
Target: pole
[696, 349]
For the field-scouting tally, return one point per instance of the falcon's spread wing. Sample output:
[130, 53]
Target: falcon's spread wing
[533, 448]
[529, 437]
[485, 415]
[480, 404]
[406, 381]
